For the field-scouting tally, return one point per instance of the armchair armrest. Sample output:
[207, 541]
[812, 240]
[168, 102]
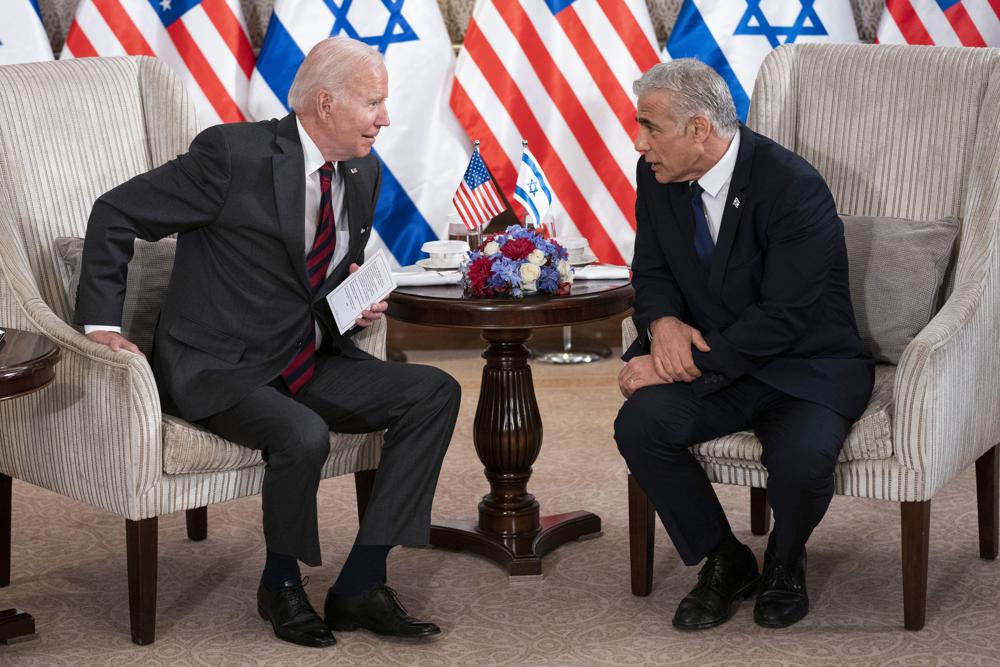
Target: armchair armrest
[372, 339]
[94, 433]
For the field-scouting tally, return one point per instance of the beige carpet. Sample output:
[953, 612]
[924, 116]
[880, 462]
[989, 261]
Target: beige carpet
[69, 572]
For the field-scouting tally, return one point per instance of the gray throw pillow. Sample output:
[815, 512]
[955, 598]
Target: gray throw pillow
[897, 269]
[148, 276]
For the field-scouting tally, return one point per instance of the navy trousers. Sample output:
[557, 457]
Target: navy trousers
[657, 426]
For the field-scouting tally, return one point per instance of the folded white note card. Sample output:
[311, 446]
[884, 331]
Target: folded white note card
[366, 286]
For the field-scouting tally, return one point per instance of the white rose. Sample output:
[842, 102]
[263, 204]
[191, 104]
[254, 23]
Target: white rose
[565, 272]
[529, 273]
[537, 257]
[491, 248]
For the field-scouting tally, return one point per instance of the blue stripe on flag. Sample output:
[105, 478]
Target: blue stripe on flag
[522, 196]
[691, 38]
[34, 3]
[398, 221]
[557, 6]
[279, 59]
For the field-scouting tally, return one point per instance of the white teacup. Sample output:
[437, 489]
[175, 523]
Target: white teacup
[576, 247]
[446, 253]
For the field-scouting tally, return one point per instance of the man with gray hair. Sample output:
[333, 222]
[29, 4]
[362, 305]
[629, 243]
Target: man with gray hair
[745, 322]
[270, 217]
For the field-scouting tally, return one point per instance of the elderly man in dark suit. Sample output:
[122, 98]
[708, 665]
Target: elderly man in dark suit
[270, 217]
[745, 321]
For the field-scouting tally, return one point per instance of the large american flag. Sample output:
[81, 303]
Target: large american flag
[559, 73]
[941, 22]
[477, 200]
[204, 41]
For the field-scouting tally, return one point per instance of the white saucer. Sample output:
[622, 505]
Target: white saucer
[426, 263]
[584, 261]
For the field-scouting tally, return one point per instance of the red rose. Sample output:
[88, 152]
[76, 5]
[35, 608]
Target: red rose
[563, 289]
[479, 274]
[517, 248]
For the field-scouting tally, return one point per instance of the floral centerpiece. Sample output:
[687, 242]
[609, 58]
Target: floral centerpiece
[515, 263]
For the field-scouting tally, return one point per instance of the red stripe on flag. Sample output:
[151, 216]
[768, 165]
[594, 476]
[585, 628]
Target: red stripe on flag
[520, 112]
[78, 43]
[593, 59]
[628, 28]
[121, 24]
[203, 73]
[964, 27]
[570, 108]
[477, 128]
[232, 33]
[995, 4]
[908, 22]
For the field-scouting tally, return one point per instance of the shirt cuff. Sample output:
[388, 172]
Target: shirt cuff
[91, 328]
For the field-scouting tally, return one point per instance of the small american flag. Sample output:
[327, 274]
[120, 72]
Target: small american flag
[477, 199]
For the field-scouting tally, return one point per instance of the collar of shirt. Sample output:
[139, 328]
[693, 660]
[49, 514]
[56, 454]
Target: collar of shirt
[722, 172]
[312, 157]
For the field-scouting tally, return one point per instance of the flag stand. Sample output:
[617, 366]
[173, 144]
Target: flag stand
[584, 352]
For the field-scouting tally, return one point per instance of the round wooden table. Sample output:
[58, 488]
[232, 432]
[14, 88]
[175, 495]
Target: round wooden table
[27, 363]
[508, 427]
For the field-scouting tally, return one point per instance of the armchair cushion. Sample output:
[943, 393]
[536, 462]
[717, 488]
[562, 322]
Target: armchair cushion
[869, 438]
[148, 276]
[897, 268]
[188, 448]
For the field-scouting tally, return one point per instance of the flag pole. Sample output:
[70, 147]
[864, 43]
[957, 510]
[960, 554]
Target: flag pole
[479, 224]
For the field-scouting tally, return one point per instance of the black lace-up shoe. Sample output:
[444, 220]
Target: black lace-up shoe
[783, 599]
[378, 610]
[292, 617]
[724, 580]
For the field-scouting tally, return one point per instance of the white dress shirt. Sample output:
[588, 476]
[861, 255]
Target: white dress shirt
[715, 182]
[312, 160]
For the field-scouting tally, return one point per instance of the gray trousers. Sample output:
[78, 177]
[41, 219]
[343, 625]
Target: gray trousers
[417, 405]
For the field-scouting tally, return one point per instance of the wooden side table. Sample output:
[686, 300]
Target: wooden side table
[508, 427]
[27, 363]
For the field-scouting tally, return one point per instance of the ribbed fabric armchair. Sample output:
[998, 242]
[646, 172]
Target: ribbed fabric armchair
[902, 132]
[70, 131]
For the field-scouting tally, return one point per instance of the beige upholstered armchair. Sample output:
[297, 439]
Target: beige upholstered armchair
[901, 132]
[70, 131]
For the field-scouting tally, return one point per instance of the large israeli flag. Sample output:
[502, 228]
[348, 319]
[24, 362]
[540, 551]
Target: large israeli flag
[22, 35]
[734, 36]
[424, 150]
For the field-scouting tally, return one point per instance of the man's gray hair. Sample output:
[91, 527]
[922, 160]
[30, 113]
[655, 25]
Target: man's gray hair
[698, 90]
[329, 66]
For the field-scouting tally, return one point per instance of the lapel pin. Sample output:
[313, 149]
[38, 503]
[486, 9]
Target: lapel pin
[364, 229]
[354, 170]
[736, 202]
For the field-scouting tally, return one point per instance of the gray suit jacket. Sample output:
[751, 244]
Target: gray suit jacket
[239, 306]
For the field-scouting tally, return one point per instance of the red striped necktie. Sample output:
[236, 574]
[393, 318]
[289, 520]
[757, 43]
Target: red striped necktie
[317, 264]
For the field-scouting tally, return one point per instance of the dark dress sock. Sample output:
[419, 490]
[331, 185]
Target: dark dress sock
[279, 568]
[727, 546]
[363, 570]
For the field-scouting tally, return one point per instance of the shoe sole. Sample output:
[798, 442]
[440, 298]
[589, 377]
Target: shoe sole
[351, 627]
[745, 593]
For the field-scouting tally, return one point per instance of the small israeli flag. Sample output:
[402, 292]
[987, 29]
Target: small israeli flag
[532, 190]
[22, 35]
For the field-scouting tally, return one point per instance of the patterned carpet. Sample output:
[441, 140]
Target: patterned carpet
[69, 572]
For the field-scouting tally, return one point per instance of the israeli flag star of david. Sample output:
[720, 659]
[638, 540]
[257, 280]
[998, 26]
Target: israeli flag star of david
[424, 149]
[734, 36]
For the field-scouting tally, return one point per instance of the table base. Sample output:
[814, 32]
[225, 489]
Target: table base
[520, 555]
[15, 624]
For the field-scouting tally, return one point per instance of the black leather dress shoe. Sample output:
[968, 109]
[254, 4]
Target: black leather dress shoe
[782, 600]
[291, 615]
[724, 580]
[379, 610]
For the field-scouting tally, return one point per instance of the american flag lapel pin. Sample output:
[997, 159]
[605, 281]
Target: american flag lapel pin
[354, 170]
[736, 202]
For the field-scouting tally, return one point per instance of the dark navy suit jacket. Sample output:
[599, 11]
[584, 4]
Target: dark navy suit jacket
[239, 307]
[775, 303]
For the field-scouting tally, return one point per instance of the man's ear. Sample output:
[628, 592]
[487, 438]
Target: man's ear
[323, 104]
[701, 128]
